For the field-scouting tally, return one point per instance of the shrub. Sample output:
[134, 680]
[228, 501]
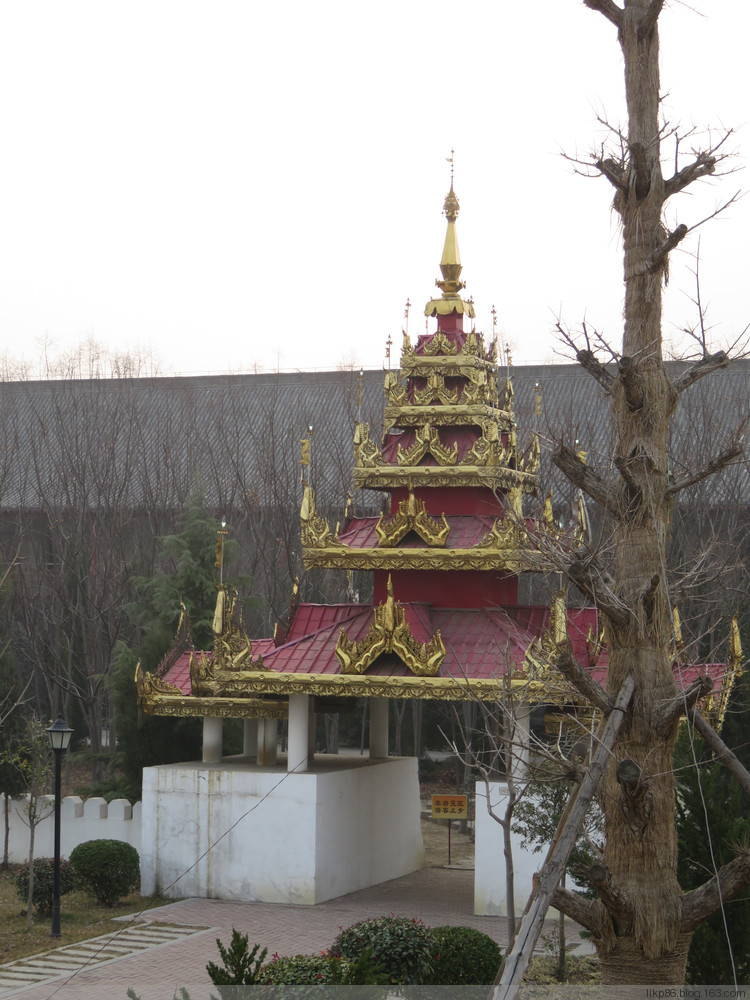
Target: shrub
[44, 877]
[305, 970]
[465, 957]
[240, 965]
[109, 869]
[402, 948]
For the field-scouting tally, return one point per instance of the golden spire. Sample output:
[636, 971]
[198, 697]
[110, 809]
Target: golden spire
[450, 265]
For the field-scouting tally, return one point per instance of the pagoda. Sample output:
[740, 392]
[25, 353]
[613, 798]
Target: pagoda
[444, 623]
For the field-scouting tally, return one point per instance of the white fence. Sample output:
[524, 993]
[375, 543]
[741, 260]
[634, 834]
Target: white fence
[93, 819]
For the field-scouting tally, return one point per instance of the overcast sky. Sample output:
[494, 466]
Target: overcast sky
[242, 184]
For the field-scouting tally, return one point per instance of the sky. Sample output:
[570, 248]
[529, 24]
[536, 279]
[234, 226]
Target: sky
[240, 186]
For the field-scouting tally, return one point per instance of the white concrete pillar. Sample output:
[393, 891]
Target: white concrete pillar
[521, 739]
[250, 738]
[213, 739]
[298, 754]
[379, 727]
[268, 741]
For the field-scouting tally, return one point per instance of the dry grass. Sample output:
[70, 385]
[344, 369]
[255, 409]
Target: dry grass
[81, 917]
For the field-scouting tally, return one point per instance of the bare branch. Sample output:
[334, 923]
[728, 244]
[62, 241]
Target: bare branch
[683, 702]
[590, 581]
[706, 365]
[655, 259]
[576, 907]
[608, 8]
[588, 360]
[715, 465]
[700, 903]
[616, 904]
[648, 22]
[723, 754]
[581, 475]
[584, 682]
[613, 171]
[703, 165]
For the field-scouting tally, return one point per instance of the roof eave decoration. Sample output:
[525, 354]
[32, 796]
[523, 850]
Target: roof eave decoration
[232, 648]
[717, 701]
[390, 633]
[539, 662]
[316, 532]
[412, 516]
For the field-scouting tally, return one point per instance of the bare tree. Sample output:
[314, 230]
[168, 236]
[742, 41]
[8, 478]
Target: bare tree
[641, 921]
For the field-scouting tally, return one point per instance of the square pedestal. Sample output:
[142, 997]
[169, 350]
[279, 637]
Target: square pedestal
[233, 830]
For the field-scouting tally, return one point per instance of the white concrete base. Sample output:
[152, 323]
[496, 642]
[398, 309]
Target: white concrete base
[490, 895]
[235, 830]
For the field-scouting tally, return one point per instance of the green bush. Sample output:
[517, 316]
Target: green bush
[305, 970]
[109, 869]
[44, 877]
[402, 948]
[465, 957]
[241, 967]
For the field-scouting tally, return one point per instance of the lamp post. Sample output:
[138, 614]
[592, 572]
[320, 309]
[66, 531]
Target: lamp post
[59, 734]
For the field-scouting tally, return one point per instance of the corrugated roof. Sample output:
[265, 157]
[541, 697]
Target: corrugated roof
[153, 440]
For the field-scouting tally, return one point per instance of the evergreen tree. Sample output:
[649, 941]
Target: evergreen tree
[188, 578]
[713, 823]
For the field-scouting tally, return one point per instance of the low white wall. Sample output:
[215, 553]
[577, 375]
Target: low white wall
[79, 821]
[238, 831]
[490, 895]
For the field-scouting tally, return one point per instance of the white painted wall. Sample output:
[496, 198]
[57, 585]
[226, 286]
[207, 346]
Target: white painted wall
[490, 896]
[79, 821]
[238, 831]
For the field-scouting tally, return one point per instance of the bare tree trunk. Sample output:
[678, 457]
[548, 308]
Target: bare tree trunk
[637, 921]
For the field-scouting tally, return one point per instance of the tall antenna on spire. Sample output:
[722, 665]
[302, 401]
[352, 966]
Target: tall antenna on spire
[450, 159]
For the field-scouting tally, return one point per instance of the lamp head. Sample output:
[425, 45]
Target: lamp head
[59, 734]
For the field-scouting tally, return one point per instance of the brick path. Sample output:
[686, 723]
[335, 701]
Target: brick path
[436, 895]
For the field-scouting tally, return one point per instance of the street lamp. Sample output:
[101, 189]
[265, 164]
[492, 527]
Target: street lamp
[59, 734]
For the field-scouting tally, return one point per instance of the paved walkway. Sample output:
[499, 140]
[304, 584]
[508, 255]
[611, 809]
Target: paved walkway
[168, 947]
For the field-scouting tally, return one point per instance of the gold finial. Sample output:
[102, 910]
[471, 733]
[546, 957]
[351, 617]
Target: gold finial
[221, 534]
[388, 346]
[493, 311]
[735, 646]
[538, 391]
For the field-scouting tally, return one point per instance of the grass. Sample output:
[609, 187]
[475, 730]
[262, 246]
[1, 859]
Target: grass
[81, 917]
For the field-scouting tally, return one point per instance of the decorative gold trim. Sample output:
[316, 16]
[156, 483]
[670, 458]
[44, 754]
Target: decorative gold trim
[395, 393]
[147, 686]
[366, 452]
[427, 441]
[375, 686]
[415, 365]
[390, 476]
[435, 392]
[717, 701]
[440, 344]
[390, 633]
[232, 648]
[472, 415]
[505, 535]
[412, 516]
[217, 708]
[494, 557]
[315, 530]
[541, 655]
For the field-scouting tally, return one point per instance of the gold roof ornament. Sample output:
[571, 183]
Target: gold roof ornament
[412, 516]
[541, 655]
[427, 442]
[232, 648]
[390, 633]
[316, 532]
[450, 268]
